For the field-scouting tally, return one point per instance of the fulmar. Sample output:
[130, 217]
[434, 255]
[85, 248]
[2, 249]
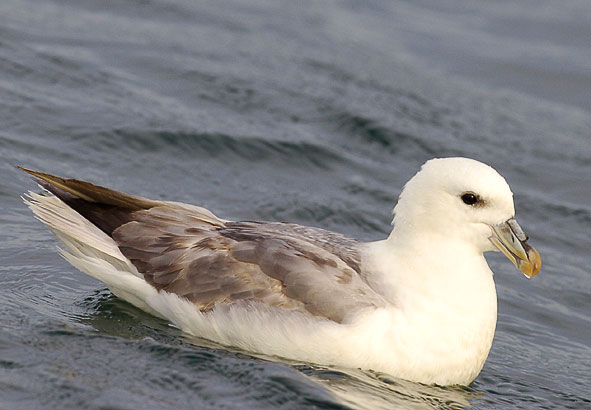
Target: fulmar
[419, 305]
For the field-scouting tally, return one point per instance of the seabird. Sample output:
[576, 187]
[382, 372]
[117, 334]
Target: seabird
[419, 305]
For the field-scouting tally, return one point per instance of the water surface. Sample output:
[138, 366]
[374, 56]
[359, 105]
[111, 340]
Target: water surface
[314, 113]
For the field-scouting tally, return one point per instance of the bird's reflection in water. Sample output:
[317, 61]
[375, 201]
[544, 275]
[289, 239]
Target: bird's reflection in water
[371, 390]
[113, 316]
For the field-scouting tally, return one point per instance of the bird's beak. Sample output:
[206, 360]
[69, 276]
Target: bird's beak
[512, 241]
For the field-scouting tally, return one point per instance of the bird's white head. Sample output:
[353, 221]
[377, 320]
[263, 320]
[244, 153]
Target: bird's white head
[463, 199]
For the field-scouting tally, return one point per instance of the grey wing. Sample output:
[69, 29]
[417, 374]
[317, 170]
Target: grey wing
[211, 261]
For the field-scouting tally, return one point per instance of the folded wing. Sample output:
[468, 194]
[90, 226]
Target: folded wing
[187, 250]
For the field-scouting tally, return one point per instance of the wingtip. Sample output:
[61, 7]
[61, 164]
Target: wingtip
[40, 177]
[89, 192]
[29, 171]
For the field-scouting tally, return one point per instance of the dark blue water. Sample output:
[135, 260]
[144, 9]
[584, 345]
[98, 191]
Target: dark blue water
[309, 112]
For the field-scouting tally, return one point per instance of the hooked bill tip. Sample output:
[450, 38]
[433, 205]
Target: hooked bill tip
[531, 267]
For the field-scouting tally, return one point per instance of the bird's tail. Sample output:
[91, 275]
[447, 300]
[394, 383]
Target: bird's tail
[78, 234]
[91, 250]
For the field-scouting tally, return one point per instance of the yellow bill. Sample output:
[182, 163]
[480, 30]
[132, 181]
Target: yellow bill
[512, 241]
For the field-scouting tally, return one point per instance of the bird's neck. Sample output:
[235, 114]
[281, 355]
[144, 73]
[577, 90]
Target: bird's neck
[444, 299]
[427, 263]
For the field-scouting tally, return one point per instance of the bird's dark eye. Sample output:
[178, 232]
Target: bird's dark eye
[469, 199]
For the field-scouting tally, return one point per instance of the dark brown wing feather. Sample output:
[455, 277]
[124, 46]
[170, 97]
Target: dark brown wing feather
[188, 251]
[94, 193]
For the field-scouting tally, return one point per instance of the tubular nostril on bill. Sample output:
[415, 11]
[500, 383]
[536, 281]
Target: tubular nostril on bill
[519, 234]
